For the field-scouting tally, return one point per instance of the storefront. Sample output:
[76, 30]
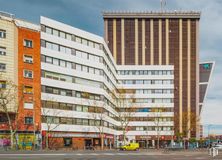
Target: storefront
[76, 141]
[151, 141]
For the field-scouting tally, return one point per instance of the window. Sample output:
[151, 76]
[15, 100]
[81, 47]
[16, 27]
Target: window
[62, 35]
[79, 108]
[56, 62]
[28, 43]
[2, 67]
[2, 33]
[48, 60]
[28, 74]
[28, 90]
[2, 51]
[48, 30]
[28, 105]
[55, 32]
[2, 84]
[28, 59]
[28, 120]
[68, 36]
[67, 142]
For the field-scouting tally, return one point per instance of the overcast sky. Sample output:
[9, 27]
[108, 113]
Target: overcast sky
[86, 15]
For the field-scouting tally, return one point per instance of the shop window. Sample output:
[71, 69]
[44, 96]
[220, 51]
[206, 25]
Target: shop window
[67, 142]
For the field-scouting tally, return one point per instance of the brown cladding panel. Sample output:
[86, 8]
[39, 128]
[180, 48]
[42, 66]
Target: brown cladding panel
[193, 76]
[118, 41]
[110, 35]
[147, 41]
[184, 72]
[140, 41]
[163, 42]
[174, 60]
[156, 41]
[129, 41]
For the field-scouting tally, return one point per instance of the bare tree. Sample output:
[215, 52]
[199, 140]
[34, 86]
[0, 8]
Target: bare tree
[51, 120]
[9, 105]
[125, 103]
[157, 122]
[99, 122]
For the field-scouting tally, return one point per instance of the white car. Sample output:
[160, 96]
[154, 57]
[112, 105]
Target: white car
[218, 146]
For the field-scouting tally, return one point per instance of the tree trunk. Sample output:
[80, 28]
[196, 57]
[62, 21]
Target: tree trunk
[47, 140]
[158, 142]
[11, 130]
[102, 141]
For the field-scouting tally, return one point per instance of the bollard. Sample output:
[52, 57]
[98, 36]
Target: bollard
[210, 151]
[214, 152]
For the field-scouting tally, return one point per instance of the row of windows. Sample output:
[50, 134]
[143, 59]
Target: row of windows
[152, 128]
[71, 93]
[70, 37]
[77, 53]
[27, 120]
[76, 121]
[154, 91]
[145, 72]
[146, 82]
[152, 119]
[78, 67]
[150, 100]
[70, 65]
[71, 79]
[146, 109]
[75, 107]
[92, 122]
[154, 100]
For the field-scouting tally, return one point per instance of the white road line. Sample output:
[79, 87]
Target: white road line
[44, 154]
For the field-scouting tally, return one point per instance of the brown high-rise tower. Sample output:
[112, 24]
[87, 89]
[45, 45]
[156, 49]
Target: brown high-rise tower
[162, 38]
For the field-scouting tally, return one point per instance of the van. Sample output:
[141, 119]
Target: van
[130, 147]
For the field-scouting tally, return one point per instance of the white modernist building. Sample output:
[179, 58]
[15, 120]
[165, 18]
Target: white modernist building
[82, 90]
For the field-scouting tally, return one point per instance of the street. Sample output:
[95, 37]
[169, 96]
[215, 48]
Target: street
[107, 155]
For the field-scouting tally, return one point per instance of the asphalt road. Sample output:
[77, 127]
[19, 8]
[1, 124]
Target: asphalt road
[107, 155]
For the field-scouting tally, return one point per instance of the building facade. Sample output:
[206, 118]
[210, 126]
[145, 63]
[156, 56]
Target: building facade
[20, 54]
[139, 83]
[162, 38]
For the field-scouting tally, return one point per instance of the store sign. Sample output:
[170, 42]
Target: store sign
[74, 135]
[144, 137]
[109, 136]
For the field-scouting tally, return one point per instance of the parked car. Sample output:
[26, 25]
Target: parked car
[130, 147]
[218, 146]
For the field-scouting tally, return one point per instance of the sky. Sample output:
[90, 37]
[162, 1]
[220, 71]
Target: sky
[87, 15]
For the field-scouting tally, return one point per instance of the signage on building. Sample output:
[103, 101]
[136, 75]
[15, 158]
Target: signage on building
[74, 135]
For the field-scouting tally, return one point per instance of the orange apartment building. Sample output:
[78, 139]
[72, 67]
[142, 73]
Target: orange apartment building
[26, 61]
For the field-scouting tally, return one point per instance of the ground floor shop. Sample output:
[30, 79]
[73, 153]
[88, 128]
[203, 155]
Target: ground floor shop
[25, 140]
[152, 141]
[77, 141]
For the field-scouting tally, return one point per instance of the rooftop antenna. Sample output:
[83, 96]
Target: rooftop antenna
[162, 4]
